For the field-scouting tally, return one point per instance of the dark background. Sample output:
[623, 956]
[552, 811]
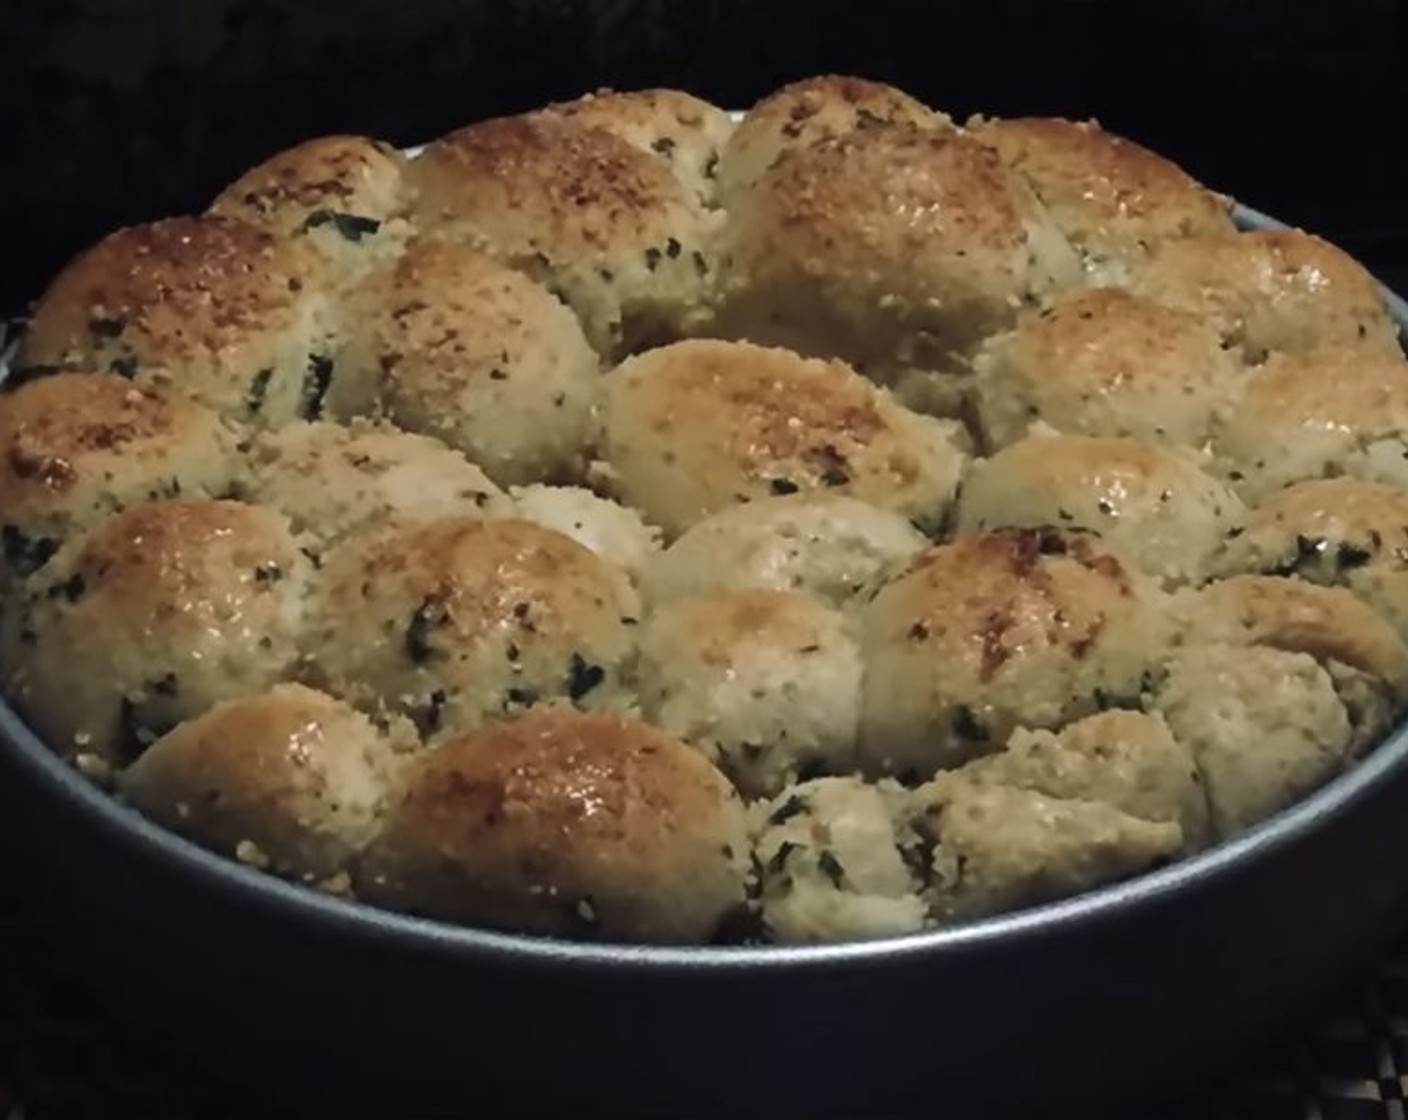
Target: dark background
[120, 110]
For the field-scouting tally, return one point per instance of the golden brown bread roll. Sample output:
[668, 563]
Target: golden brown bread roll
[447, 342]
[332, 481]
[803, 112]
[697, 426]
[77, 447]
[827, 544]
[1337, 531]
[1265, 725]
[765, 683]
[997, 847]
[219, 310]
[1125, 759]
[460, 620]
[608, 227]
[1328, 623]
[993, 631]
[898, 249]
[562, 822]
[1271, 290]
[684, 131]
[150, 618]
[1114, 199]
[291, 781]
[1334, 410]
[1153, 505]
[1101, 362]
[351, 184]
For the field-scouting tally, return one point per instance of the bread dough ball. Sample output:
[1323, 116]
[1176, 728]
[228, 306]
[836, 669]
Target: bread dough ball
[1335, 531]
[219, 310]
[608, 227]
[77, 447]
[701, 425]
[457, 621]
[998, 848]
[345, 195]
[685, 131]
[561, 822]
[1271, 290]
[616, 533]
[332, 481]
[351, 184]
[801, 113]
[831, 859]
[1328, 623]
[829, 545]
[990, 632]
[150, 618]
[1265, 726]
[291, 781]
[765, 683]
[1124, 759]
[1157, 507]
[897, 249]
[1112, 198]
[449, 343]
[1333, 411]
[1101, 362]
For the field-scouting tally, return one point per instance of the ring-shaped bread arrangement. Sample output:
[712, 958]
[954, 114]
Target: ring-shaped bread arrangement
[629, 522]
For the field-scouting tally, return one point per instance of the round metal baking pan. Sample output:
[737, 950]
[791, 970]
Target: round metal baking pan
[1091, 1006]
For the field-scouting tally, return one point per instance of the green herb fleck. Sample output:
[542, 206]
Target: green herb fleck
[165, 686]
[352, 227]
[583, 676]
[428, 617]
[790, 808]
[831, 867]
[432, 718]
[1352, 555]
[71, 589]
[105, 327]
[258, 391]
[315, 385]
[778, 860]
[966, 725]
[834, 468]
[25, 554]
